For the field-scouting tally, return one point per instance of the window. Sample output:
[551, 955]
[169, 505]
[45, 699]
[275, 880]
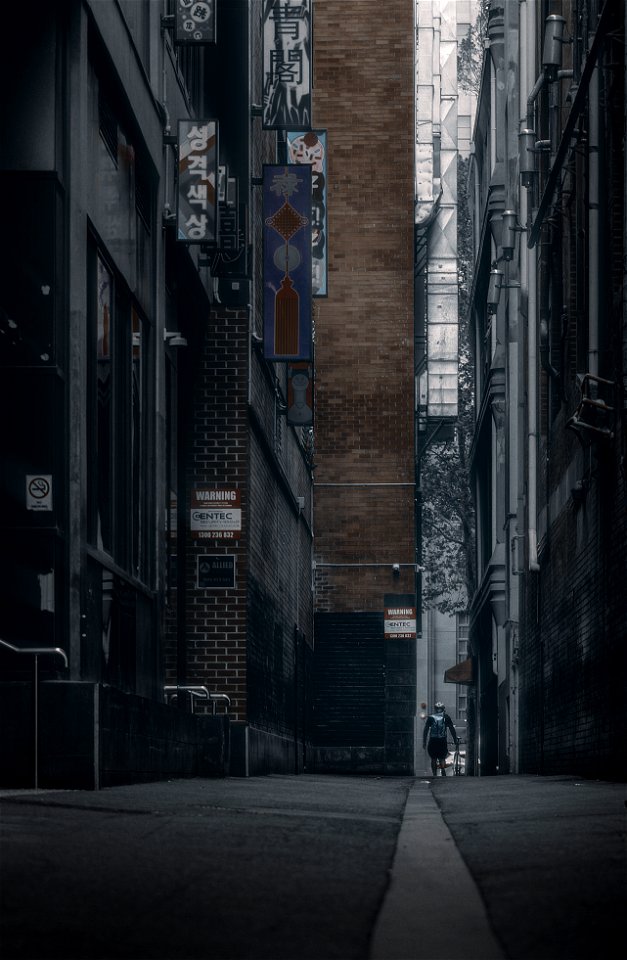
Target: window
[463, 632]
[119, 492]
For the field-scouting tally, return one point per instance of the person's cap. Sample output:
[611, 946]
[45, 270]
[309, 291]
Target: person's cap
[439, 705]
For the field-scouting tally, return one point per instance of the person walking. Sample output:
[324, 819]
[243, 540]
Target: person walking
[435, 730]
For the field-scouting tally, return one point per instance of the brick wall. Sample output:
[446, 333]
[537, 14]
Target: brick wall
[215, 440]
[364, 451]
[363, 96]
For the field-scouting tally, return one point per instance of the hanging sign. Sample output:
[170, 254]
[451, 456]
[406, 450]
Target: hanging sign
[195, 21]
[287, 262]
[311, 148]
[196, 216]
[286, 64]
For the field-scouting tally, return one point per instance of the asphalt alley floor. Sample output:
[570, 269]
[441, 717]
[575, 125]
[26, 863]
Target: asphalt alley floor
[313, 866]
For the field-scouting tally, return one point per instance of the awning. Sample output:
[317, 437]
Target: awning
[460, 673]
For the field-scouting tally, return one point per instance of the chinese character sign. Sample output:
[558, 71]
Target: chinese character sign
[196, 196]
[195, 21]
[287, 64]
[311, 148]
[287, 262]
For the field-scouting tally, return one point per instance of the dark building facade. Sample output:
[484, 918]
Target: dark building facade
[549, 617]
[139, 393]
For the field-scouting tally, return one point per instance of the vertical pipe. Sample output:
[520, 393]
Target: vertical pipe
[36, 718]
[593, 224]
[532, 346]
[493, 119]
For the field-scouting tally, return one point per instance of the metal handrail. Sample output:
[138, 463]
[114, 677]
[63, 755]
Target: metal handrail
[36, 652]
[196, 690]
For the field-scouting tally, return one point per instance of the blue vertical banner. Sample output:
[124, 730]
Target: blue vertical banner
[286, 64]
[287, 262]
[311, 148]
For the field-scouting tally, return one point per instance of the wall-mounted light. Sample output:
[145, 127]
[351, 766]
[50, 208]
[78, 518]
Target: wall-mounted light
[494, 289]
[174, 339]
[527, 156]
[509, 230]
[553, 40]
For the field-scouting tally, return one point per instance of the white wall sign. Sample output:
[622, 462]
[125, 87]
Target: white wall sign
[399, 623]
[216, 513]
[39, 492]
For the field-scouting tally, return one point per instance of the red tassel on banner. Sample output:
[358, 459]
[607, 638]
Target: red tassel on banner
[286, 319]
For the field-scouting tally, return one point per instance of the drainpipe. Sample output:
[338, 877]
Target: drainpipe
[593, 224]
[493, 130]
[625, 269]
[528, 282]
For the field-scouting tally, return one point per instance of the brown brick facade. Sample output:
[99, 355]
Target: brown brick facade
[364, 689]
[363, 96]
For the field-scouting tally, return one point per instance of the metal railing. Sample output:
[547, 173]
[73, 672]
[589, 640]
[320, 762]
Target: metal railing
[36, 652]
[197, 692]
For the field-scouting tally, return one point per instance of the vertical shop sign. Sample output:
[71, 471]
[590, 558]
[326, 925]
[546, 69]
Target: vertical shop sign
[287, 262]
[196, 215]
[195, 21]
[286, 64]
[311, 148]
[300, 394]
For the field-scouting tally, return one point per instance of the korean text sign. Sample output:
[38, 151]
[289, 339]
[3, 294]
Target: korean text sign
[196, 217]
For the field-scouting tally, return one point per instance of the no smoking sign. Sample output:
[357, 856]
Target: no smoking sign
[39, 492]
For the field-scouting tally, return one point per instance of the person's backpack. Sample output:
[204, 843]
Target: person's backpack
[438, 727]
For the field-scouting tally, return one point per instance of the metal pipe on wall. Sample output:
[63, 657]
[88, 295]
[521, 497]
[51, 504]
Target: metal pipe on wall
[593, 223]
[529, 276]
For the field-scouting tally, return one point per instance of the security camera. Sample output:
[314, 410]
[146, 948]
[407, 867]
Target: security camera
[396, 568]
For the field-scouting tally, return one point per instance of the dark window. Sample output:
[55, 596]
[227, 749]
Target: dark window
[119, 488]
[108, 124]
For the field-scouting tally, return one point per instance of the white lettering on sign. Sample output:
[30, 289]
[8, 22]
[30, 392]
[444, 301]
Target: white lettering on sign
[215, 496]
[216, 512]
[399, 623]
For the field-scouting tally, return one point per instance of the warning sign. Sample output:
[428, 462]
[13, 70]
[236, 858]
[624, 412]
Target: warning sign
[400, 623]
[216, 513]
[39, 492]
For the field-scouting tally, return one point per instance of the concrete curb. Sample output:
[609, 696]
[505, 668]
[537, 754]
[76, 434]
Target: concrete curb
[432, 910]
